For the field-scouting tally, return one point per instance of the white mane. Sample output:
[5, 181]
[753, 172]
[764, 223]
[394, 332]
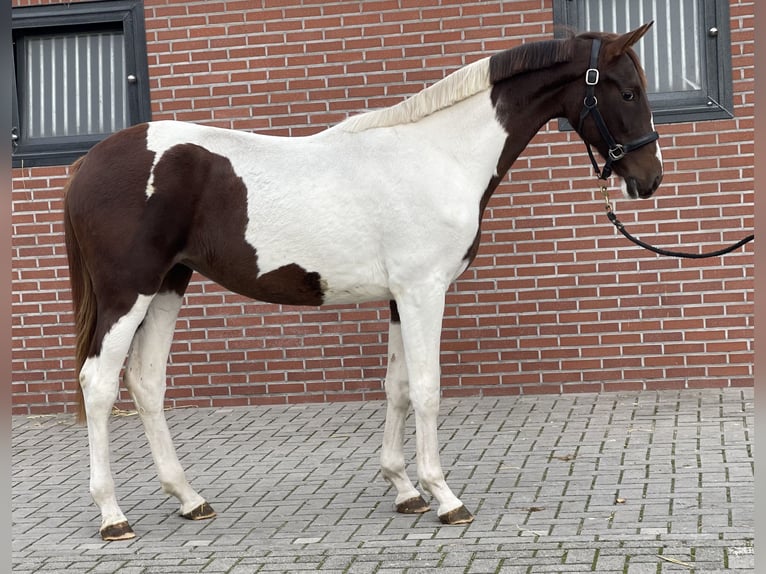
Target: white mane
[456, 87]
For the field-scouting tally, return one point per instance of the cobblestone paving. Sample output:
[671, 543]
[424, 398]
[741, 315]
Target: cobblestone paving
[629, 483]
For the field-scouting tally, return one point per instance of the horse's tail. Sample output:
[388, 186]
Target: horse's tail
[83, 299]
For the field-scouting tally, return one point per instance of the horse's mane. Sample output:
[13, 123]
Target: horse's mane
[464, 83]
[528, 57]
[459, 85]
[476, 77]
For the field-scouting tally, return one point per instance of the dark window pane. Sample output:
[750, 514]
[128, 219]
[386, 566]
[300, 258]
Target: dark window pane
[75, 84]
[72, 62]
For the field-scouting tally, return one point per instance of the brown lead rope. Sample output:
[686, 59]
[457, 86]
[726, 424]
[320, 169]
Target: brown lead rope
[621, 228]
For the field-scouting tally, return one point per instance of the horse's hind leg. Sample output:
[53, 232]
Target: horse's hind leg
[408, 499]
[145, 379]
[99, 380]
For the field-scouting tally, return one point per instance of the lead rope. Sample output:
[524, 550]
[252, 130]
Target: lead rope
[621, 228]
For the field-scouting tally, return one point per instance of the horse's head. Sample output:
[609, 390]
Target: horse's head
[610, 110]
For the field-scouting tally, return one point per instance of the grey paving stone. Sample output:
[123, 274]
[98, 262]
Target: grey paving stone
[298, 488]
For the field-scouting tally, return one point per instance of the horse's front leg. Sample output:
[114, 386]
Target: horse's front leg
[421, 311]
[392, 463]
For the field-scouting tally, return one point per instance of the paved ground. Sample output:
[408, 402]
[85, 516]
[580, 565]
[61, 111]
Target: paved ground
[648, 482]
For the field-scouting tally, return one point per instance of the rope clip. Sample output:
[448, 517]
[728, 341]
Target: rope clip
[605, 195]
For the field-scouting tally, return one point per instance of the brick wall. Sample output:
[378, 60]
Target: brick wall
[555, 301]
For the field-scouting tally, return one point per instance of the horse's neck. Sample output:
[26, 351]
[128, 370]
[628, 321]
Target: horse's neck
[475, 128]
[524, 107]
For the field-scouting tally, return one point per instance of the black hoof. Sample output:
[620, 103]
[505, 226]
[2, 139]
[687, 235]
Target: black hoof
[457, 516]
[414, 505]
[202, 512]
[119, 531]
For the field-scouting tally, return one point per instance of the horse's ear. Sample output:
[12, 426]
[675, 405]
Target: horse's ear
[625, 41]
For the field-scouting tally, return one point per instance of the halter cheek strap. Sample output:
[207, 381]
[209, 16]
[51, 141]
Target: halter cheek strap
[590, 108]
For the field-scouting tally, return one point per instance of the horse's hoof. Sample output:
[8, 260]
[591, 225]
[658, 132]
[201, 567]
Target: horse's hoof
[119, 531]
[415, 505]
[457, 516]
[202, 512]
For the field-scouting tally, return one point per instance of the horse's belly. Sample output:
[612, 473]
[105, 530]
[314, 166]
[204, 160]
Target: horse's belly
[360, 293]
[296, 283]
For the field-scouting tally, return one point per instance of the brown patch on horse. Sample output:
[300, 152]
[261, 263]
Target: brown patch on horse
[291, 284]
[91, 196]
[193, 184]
[106, 208]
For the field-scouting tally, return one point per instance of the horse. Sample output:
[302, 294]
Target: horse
[385, 205]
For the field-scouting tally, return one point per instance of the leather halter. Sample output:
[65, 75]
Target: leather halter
[590, 107]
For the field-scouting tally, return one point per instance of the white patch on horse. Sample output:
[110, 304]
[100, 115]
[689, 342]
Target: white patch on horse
[658, 151]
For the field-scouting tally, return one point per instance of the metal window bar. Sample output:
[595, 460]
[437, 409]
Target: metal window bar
[75, 84]
[671, 53]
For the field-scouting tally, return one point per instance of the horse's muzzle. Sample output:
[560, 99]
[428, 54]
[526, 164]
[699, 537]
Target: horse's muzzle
[635, 189]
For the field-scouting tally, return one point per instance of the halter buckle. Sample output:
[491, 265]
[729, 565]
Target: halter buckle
[591, 76]
[617, 152]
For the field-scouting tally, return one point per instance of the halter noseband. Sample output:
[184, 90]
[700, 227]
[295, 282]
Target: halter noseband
[590, 107]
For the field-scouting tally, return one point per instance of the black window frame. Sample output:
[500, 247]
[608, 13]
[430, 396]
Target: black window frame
[717, 102]
[128, 15]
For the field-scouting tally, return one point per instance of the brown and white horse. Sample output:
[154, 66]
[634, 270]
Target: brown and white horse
[386, 205]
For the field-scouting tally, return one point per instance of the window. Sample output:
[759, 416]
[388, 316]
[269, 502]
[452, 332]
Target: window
[686, 55]
[80, 74]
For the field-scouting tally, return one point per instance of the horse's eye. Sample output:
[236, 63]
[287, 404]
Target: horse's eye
[628, 95]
